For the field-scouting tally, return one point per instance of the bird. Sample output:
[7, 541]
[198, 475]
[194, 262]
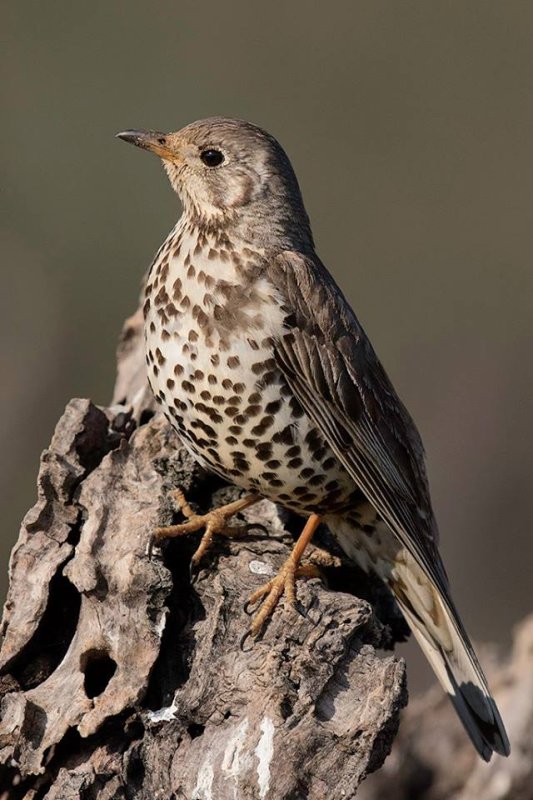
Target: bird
[261, 366]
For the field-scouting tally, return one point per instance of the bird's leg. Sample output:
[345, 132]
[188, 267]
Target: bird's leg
[214, 522]
[284, 582]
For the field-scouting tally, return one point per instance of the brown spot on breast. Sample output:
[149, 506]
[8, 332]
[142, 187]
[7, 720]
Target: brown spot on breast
[296, 409]
[214, 416]
[263, 451]
[214, 454]
[187, 386]
[161, 297]
[203, 319]
[206, 428]
[268, 379]
[273, 407]
[300, 490]
[285, 436]
[233, 362]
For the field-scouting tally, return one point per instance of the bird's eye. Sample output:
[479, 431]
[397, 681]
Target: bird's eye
[212, 157]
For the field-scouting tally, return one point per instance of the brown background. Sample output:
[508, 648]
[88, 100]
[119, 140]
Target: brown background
[410, 126]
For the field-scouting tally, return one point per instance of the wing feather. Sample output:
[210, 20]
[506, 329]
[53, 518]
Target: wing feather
[334, 372]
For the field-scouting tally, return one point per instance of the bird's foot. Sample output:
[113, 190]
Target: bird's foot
[284, 584]
[214, 522]
[285, 581]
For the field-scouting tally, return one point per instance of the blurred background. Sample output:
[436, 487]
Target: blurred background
[410, 126]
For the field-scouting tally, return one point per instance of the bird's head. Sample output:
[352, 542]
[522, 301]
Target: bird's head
[227, 169]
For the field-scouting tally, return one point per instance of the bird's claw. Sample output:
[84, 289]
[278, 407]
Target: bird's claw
[271, 592]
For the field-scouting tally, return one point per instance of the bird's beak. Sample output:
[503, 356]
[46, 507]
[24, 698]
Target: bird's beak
[154, 141]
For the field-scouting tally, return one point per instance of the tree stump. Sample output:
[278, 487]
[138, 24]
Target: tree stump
[129, 676]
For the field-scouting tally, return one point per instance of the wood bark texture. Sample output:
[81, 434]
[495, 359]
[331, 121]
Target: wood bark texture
[128, 676]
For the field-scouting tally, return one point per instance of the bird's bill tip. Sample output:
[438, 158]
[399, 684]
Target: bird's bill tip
[154, 141]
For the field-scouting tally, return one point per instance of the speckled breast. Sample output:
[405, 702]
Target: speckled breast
[210, 318]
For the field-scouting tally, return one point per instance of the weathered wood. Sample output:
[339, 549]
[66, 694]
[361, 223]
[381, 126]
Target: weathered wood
[125, 676]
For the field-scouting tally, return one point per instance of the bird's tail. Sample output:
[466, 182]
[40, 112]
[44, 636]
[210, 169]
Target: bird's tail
[439, 632]
[437, 627]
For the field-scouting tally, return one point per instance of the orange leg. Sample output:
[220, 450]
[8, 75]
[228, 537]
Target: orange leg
[214, 522]
[284, 582]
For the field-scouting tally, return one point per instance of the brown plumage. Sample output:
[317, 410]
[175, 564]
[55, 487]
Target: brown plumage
[261, 365]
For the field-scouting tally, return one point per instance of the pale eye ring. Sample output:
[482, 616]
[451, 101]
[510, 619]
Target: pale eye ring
[212, 157]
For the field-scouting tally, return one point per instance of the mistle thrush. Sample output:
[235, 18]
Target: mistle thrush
[261, 366]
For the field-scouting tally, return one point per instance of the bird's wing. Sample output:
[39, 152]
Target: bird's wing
[335, 374]
[332, 369]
